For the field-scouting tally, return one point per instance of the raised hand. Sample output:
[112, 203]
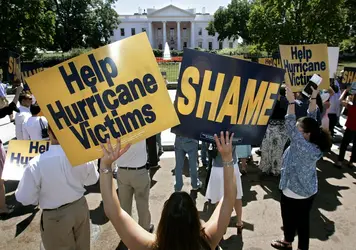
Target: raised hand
[289, 94]
[224, 145]
[112, 154]
[315, 92]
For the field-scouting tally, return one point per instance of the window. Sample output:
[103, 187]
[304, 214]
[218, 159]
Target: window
[200, 45]
[171, 33]
[133, 31]
[231, 45]
[159, 32]
[200, 31]
[185, 44]
[185, 32]
[220, 45]
[210, 45]
[143, 29]
[122, 32]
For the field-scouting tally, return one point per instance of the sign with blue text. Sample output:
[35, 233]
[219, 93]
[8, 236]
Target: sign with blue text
[217, 93]
[19, 154]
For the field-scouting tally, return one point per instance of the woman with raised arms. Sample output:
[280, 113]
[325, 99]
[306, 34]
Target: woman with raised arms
[179, 227]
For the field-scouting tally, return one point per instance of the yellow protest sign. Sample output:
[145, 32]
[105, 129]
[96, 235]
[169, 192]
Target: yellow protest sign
[302, 61]
[114, 91]
[19, 153]
[275, 62]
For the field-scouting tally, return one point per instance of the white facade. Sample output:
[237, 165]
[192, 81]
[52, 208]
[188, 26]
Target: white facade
[180, 28]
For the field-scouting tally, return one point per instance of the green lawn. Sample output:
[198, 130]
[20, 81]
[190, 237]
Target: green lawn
[345, 64]
[171, 70]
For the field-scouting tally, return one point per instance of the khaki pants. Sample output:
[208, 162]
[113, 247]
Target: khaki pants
[67, 228]
[138, 183]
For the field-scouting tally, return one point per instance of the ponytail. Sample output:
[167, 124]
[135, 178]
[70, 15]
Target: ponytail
[324, 140]
[318, 135]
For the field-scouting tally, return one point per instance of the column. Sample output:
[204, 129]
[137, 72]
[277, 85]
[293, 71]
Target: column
[150, 35]
[164, 34]
[178, 37]
[192, 35]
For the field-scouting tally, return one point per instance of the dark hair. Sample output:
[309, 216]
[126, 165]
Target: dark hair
[23, 96]
[180, 227]
[318, 135]
[335, 88]
[35, 109]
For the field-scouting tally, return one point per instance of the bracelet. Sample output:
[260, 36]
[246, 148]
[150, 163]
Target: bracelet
[312, 98]
[291, 103]
[105, 170]
[228, 163]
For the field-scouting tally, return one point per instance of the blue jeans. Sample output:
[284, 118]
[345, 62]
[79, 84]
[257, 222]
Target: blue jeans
[204, 153]
[185, 146]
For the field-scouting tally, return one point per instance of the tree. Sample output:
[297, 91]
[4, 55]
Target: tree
[231, 22]
[274, 22]
[25, 26]
[349, 44]
[83, 23]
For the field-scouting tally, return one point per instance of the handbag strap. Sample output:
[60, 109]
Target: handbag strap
[42, 124]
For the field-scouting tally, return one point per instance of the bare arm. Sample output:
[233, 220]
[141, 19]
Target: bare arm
[17, 94]
[132, 234]
[291, 101]
[216, 227]
[343, 95]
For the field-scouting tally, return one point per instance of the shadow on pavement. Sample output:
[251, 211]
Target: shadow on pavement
[98, 216]
[20, 227]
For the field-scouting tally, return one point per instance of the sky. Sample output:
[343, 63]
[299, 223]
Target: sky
[131, 6]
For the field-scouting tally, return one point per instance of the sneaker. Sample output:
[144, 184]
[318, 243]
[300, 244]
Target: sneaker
[258, 152]
[199, 186]
[152, 228]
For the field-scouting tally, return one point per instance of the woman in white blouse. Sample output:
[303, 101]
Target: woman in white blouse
[34, 125]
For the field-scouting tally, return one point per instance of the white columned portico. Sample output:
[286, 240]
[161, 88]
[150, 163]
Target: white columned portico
[150, 31]
[178, 36]
[164, 34]
[192, 34]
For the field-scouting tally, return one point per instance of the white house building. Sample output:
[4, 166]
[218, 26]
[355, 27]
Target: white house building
[180, 28]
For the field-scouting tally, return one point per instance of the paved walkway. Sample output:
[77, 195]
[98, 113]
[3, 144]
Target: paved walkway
[333, 215]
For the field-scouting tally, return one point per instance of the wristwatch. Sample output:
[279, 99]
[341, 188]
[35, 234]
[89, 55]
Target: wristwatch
[105, 170]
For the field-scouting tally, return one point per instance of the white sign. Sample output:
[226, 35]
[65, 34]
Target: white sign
[333, 54]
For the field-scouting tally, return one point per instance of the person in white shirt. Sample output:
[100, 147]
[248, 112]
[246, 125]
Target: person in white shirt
[133, 178]
[50, 181]
[25, 103]
[32, 128]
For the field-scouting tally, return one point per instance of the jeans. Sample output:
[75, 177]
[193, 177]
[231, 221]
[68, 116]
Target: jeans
[349, 136]
[185, 146]
[296, 218]
[204, 153]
